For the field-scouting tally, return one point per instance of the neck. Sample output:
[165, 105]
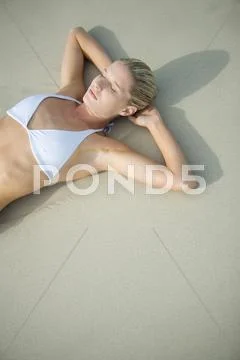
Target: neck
[92, 120]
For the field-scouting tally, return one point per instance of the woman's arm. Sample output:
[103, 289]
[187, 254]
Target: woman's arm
[91, 49]
[79, 44]
[168, 146]
[170, 149]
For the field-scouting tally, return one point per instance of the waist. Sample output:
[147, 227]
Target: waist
[16, 158]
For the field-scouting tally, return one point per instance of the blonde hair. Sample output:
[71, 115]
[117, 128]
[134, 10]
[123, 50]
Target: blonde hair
[144, 90]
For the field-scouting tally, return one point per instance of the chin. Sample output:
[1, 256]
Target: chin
[83, 98]
[87, 103]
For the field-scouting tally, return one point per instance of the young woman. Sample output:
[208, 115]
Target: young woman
[55, 132]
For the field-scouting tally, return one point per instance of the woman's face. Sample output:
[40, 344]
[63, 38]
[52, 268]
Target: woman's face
[112, 92]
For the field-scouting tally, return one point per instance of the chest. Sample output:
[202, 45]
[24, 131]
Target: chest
[54, 113]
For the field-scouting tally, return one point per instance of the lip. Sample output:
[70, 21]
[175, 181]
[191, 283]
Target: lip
[92, 93]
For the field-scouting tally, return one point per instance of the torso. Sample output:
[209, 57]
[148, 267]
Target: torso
[17, 160]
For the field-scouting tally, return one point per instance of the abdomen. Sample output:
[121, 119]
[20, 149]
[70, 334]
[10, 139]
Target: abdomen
[16, 161]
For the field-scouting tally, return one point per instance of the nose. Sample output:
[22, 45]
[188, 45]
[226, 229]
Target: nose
[98, 86]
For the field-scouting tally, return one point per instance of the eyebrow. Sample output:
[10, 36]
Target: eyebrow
[114, 81]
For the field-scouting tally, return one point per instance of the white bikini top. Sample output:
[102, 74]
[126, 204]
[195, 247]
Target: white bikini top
[52, 148]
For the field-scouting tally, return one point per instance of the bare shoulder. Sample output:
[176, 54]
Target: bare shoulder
[95, 147]
[107, 144]
[100, 143]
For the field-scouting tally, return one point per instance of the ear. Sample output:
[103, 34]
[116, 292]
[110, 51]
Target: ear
[128, 111]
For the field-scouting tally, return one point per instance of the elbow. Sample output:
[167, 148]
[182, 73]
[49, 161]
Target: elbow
[175, 182]
[181, 186]
[76, 30]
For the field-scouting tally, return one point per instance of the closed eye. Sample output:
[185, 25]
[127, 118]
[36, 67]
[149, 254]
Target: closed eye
[106, 78]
